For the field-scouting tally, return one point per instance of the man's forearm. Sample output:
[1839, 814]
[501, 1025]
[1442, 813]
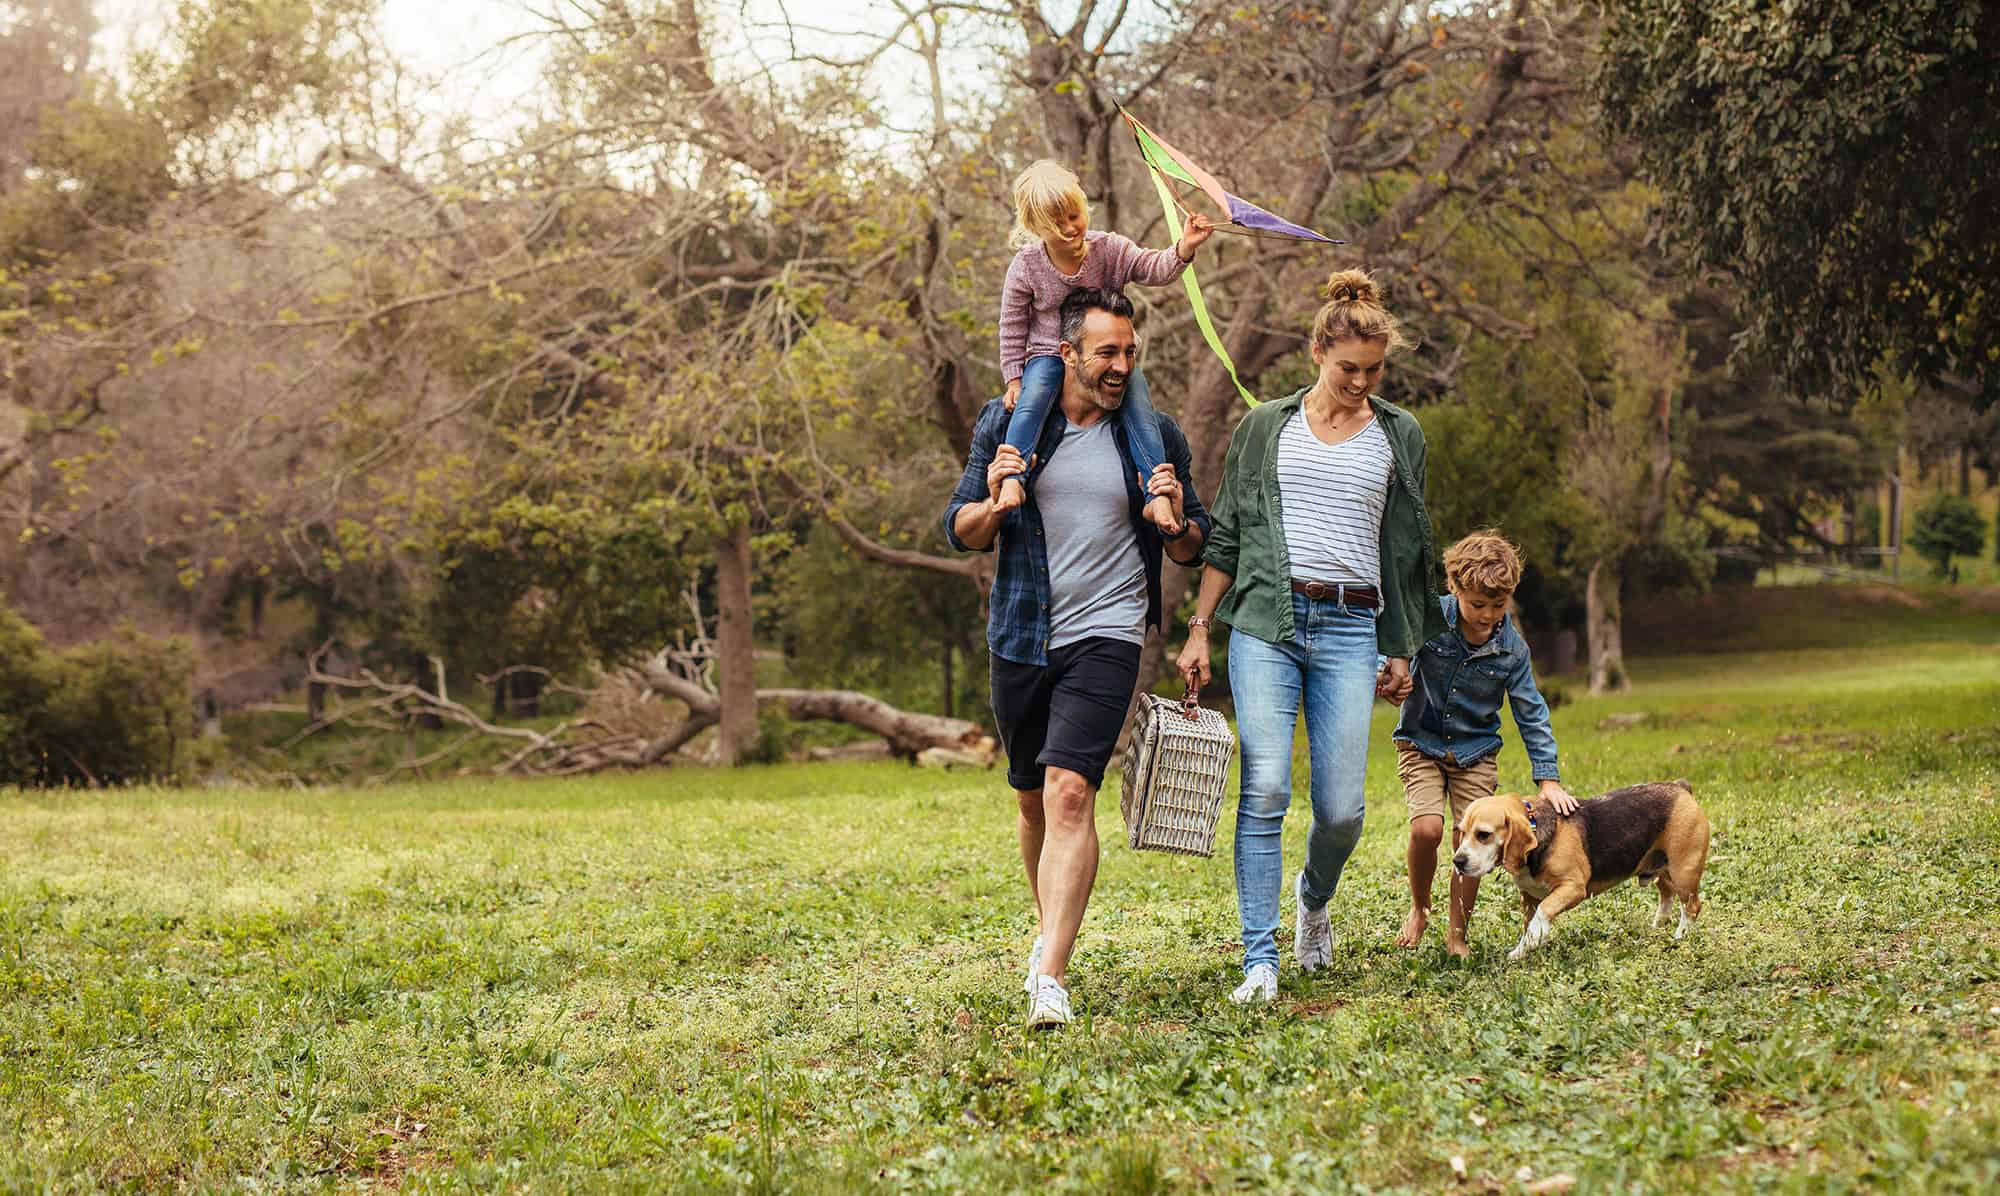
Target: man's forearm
[1187, 550]
[977, 524]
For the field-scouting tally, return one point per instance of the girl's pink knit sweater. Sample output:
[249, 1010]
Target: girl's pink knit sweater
[1030, 302]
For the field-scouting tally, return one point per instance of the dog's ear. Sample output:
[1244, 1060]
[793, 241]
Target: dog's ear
[1520, 841]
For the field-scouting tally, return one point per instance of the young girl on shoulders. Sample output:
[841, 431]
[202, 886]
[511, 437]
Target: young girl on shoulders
[1056, 253]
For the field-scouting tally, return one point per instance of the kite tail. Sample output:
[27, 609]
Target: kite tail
[1194, 290]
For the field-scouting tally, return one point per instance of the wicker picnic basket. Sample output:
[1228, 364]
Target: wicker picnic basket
[1175, 770]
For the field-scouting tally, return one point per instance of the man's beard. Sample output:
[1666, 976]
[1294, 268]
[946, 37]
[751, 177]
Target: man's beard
[1103, 398]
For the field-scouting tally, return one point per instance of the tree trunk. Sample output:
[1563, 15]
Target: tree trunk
[735, 649]
[258, 591]
[1848, 523]
[1605, 626]
[1892, 535]
[526, 695]
[950, 684]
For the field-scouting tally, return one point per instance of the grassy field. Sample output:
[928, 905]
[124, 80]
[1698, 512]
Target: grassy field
[805, 978]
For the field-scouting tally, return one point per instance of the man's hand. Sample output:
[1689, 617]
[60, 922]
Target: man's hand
[1393, 683]
[1557, 796]
[1193, 660]
[1164, 483]
[1005, 468]
[1013, 394]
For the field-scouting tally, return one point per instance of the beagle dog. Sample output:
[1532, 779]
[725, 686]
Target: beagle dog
[1654, 831]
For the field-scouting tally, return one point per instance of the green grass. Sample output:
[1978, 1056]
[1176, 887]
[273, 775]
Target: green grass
[804, 978]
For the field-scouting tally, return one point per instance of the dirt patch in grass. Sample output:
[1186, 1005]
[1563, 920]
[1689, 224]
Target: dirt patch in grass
[393, 1147]
[1982, 598]
[1892, 595]
[1839, 741]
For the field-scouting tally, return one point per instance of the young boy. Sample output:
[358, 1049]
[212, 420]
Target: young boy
[1448, 739]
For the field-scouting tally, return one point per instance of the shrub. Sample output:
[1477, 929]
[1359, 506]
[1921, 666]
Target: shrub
[1947, 526]
[24, 692]
[773, 744]
[109, 712]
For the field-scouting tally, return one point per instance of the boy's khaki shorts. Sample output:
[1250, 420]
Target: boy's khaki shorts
[1428, 781]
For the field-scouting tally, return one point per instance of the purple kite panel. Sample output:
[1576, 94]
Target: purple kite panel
[1249, 215]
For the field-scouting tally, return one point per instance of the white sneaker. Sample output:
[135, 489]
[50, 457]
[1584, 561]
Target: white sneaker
[1050, 1008]
[1312, 933]
[1034, 966]
[1260, 985]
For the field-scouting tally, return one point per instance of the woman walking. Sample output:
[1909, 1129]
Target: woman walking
[1323, 563]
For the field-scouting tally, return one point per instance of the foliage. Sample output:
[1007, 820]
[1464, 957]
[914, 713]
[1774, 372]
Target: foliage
[1947, 526]
[1837, 159]
[25, 685]
[806, 979]
[559, 582]
[1767, 461]
[1545, 437]
[107, 712]
[44, 56]
[847, 624]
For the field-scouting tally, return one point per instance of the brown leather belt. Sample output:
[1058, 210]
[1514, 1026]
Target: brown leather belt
[1360, 597]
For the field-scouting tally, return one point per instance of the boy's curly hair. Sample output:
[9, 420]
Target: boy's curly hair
[1485, 561]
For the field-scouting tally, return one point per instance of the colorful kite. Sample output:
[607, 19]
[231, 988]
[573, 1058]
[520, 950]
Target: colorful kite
[1164, 162]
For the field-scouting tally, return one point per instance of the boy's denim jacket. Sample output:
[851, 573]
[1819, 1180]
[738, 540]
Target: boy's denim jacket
[1453, 711]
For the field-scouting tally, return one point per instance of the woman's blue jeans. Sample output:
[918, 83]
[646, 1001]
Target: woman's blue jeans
[1041, 391]
[1327, 669]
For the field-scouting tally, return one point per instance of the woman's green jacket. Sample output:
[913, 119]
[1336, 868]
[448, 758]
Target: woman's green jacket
[1248, 541]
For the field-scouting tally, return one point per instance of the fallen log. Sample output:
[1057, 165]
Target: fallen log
[585, 745]
[906, 733]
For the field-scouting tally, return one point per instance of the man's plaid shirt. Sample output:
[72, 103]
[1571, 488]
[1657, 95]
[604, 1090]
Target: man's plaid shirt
[1017, 622]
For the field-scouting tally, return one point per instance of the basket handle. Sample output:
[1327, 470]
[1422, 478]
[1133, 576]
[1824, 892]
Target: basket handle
[1191, 699]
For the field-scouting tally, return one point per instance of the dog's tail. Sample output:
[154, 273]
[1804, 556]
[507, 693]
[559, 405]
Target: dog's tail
[1686, 784]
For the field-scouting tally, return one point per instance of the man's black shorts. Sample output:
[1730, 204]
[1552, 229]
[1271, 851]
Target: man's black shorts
[1066, 714]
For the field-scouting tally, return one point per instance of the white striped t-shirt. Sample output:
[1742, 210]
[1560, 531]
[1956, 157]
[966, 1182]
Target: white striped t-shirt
[1332, 496]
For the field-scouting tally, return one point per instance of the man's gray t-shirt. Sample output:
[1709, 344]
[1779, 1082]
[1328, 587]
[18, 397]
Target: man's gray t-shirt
[1097, 579]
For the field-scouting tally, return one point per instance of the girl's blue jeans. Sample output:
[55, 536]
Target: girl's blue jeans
[1327, 669]
[1041, 388]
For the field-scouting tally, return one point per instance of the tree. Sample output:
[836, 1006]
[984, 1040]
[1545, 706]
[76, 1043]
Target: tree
[1945, 527]
[1768, 462]
[1842, 161]
[44, 53]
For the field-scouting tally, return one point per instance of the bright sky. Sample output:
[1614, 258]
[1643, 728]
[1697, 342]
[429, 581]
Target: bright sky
[486, 66]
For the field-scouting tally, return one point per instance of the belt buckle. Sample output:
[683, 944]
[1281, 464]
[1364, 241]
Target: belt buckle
[1317, 590]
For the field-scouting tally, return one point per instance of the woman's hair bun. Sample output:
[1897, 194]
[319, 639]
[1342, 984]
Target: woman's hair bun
[1351, 286]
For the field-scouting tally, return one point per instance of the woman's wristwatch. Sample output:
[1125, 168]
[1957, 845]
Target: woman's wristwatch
[1198, 621]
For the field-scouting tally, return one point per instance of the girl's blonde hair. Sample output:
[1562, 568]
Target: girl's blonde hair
[1354, 311]
[1486, 562]
[1044, 194]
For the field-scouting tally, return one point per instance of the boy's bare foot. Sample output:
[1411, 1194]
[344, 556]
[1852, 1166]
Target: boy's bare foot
[1454, 942]
[1012, 495]
[1414, 927]
[1161, 512]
